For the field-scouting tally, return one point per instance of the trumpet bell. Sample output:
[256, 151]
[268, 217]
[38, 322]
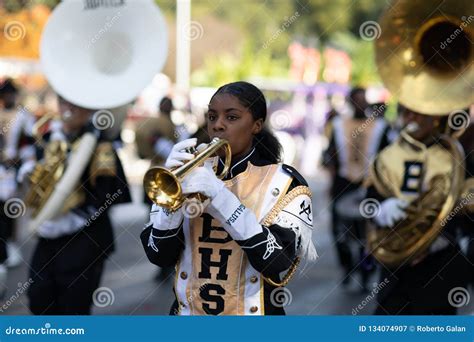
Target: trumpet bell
[163, 188]
[103, 57]
[425, 54]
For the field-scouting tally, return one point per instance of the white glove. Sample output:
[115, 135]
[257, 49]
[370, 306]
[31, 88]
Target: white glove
[240, 222]
[391, 211]
[163, 219]
[65, 224]
[7, 183]
[202, 180]
[177, 155]
[25, 169]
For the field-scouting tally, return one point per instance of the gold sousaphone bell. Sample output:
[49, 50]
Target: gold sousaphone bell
[425, 54]
[163, 186]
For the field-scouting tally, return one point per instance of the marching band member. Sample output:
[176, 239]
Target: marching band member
[399, 173]
[17, 148]
[69, 257]
[353, 143]
[228, 260]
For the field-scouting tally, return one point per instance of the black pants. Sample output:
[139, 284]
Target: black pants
[6, 228]
[64, 277]
[424, 289]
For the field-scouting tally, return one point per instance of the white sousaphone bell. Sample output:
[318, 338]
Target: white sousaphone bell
[99, 55]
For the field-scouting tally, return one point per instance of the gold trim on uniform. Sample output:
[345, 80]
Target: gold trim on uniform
[103, 162]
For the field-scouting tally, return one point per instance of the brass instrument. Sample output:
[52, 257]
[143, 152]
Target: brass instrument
[433, 77]
[425, 54]
[47, 172]
[40, 123]
[163, 186]
[426, 215]
[46, 175]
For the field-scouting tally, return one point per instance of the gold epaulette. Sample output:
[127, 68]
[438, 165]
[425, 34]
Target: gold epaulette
[103, 162]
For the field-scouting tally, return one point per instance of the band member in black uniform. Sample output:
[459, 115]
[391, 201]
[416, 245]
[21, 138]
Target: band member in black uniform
[353, 143]
[427, 283]
[7, 177]
[72, 248]
[16, 145]
[254, 224]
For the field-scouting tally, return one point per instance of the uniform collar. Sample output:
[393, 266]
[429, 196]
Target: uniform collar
[240, 165]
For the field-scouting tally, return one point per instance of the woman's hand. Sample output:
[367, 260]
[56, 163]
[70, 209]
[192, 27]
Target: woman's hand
[204, 181]
[178, 155]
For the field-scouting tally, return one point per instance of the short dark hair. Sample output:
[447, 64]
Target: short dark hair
[8, 87]
[166, 105]
[354, 92]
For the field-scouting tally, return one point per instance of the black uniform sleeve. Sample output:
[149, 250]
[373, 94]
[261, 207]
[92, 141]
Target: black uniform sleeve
[162, 247]
[271, 251]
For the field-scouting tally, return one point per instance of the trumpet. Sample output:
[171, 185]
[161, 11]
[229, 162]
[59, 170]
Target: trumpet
[163, 186]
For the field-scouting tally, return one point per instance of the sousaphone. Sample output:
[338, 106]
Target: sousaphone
[98, 55]
[425, 57]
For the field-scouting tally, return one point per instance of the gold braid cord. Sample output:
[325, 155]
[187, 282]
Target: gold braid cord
[269, 220]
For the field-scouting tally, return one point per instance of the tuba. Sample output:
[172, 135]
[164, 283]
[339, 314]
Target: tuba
[96, 55]
[431, 73]
[163, 186]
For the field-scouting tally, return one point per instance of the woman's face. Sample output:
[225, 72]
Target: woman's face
[228, 119]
